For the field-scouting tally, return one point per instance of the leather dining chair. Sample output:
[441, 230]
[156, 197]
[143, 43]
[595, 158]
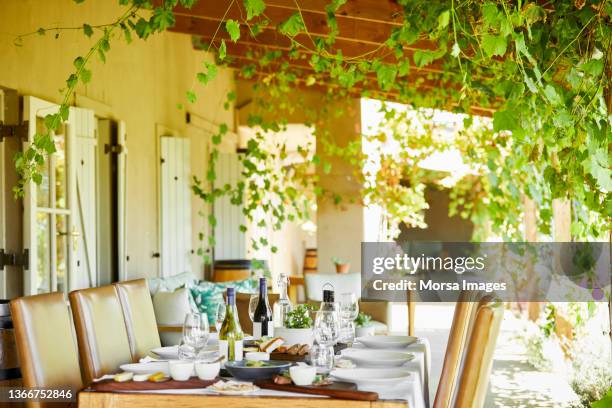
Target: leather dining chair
[139, 316]
[45, 343]
[463, 321]
[101, 331]
[478, 360]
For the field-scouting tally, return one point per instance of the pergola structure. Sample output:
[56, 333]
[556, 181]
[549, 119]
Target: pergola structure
[363, 28]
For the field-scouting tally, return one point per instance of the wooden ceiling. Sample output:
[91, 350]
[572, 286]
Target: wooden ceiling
[363, 27]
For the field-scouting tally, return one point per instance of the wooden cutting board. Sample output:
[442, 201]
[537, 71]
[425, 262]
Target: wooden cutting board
[286, 357]
[340, 390]
[113, 386]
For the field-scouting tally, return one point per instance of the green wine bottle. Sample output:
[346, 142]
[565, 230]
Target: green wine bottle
[230, 335]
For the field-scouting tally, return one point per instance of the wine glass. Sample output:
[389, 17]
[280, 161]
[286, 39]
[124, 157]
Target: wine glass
[196, 331]
[219, 316]
[253, 305]
[326, 333]
[349, 309]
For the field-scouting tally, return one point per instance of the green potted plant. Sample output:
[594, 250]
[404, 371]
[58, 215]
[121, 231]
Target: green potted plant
[363, 325]
[342, 265]
[298, 326]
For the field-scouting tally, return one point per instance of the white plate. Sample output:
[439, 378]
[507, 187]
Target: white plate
[223, 392]
[171, 352]
[377, 358]
[383, 342]
[371, 376]
[146, 368]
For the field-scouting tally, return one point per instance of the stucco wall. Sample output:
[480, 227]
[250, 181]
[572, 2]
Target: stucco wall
[141, 83]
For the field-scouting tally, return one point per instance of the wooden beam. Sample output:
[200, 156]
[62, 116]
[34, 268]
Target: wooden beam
[209, 30]
[366, 30]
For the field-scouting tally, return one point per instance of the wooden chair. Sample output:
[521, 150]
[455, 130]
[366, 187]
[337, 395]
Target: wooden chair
[476, 367]
[45, 343]
[139, 316]
[463, 320]
[242, 304]
[101, 331]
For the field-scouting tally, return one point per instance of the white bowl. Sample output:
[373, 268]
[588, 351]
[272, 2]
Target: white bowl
[257, 356]
[302, 374]
[364, 331]
[377, 358]
[207, 371]
[295, 336]
[180, 370]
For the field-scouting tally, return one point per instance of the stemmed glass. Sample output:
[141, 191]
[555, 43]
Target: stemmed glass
[219, 316]
[349, 309]
[253, 305]
[326, 333]
[195, 332]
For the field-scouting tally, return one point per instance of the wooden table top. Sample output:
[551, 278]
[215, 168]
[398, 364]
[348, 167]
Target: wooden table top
[89, 399]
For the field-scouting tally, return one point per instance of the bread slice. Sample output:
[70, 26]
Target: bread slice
[271, 345]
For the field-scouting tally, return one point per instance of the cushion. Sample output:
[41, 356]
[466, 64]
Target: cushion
[170, 310]
[206, 296]
[170, 283]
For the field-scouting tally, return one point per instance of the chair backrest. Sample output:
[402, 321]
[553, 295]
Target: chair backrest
[45, 342]
[101, 331]
[139, 316]
[463, 321]
[342, 283]
[478, 360]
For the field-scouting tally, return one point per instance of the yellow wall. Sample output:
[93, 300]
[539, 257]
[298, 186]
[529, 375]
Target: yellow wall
[141, 83]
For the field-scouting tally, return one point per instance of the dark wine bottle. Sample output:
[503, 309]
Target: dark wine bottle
[263, 324]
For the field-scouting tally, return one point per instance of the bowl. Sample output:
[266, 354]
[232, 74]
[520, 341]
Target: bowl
[180, 370]
[257, 356]
[241, 371]
[303, 374]
[295, 336]
[207, 371]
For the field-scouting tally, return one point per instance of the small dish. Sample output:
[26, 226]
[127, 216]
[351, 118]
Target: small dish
[303, 374]
[232, 388]
[384, 342]
[207, 371]
[257, 356]
[180, 370]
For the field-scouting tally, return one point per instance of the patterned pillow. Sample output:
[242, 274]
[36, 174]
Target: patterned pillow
[206, 296]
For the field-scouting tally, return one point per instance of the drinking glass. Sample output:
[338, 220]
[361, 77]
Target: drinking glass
[349, 309]
[326, 333]
[219, 316]
[253, 305]
[196, 331]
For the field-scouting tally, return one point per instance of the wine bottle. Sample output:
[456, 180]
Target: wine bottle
[283, 305]
[230, 335]
[263, 325]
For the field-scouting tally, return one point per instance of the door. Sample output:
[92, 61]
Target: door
[51, 231]
[175, 200]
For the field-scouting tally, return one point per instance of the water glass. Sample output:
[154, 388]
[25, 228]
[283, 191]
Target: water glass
[322, 357]
[196, 331]
[326, 327]
[253, 305]
[219, 316]
[349, 309]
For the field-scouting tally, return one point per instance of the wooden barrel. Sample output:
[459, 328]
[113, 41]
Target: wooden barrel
[231, 270]
[310, 260]
[9, 363]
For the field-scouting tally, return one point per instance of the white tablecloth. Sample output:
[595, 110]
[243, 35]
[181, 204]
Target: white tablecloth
[414, 391]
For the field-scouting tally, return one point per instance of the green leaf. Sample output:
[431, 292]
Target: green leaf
[385, 75]
[87, 30]
[254, 8]
[191, 96]
[551, 94]
[162, 19]
[292, 26]
[78, 62]
[490, 14]
[222, 50]
[443, 19]
[494, 45]
[504, 120]
[327, 166]
[426, 57]
[593, 67]
[597, 165]
[85, 75]
[233, 29]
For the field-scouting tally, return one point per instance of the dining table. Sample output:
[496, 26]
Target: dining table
[410, 393]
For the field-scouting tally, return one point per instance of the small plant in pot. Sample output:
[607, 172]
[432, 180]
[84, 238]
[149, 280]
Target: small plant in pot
[342, 265]
[363, 325]
[298, 326]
